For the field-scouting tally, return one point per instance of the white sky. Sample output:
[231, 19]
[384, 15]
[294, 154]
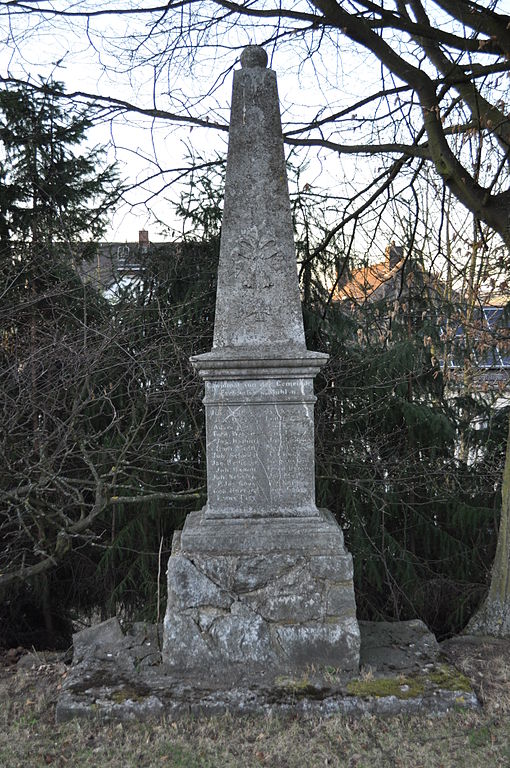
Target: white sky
[142, 145]
[84, 61]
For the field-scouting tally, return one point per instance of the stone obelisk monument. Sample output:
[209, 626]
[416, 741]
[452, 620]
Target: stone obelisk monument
[259, 581]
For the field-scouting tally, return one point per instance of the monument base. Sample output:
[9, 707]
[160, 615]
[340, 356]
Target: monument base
[252, 600]
[120, 677]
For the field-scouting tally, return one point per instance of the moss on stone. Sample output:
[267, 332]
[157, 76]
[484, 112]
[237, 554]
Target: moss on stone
[127, 694]
[297, 688]
[449, 679]
[295, 685]
[444, 678]
[401, 687]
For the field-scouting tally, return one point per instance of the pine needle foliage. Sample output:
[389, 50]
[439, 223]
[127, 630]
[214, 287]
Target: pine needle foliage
[54, 199]
[418, 516]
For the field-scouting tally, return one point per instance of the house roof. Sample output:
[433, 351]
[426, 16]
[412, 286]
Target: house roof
[489, 328]
[364, 282]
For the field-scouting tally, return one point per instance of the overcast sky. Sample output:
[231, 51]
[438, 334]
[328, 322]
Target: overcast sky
[112, 56]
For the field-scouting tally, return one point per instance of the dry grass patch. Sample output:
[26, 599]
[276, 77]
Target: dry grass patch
[486, 662]
[30, 739]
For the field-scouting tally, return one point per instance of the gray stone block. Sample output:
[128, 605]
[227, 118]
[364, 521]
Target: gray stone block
[205, 617]
[340, 600]
[221, 569]
[296, 615]
[184, 646]
[258, 571]
[242, 637]
[279, 606]
[98, 638]
[333, 644]
[144, 633]
[111, 703]
[260, 454]
[307, 537]
[401, 645]
[294, 596]
[188, 587]
[332, 567]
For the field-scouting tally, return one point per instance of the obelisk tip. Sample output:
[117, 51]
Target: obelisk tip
[253, 56]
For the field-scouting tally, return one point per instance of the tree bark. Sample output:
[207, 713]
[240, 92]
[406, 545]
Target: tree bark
[493, 617]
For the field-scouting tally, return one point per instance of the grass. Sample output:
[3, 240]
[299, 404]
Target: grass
[30, 739]
[465, 739]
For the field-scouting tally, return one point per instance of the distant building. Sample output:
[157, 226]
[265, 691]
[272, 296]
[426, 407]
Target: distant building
[484, 337]
[486, 341]
[113, 262]
[373, 281]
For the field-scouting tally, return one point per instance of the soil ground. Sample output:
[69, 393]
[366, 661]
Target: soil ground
[29, 737]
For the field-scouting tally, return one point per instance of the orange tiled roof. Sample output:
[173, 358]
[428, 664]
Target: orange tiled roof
[363, 282]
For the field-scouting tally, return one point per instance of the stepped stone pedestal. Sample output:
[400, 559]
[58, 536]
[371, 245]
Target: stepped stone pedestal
[259, 581]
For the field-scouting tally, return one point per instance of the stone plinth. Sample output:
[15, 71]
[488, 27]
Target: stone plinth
[259, 582]
[257, 599]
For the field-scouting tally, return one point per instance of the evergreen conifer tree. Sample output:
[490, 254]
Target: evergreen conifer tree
[54, 194]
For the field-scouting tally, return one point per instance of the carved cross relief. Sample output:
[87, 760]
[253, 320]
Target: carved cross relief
[255, 265]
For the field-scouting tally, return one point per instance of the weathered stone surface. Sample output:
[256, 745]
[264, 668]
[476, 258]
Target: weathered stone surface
[97, 638]
[259, 570]
[340, 600]
[205, 617]
[392, 646]
[144, 633]
[139, 647]
[184, 646]
[277, 604]
[253, 56]
[324, 566]
[294, 596]
[288, 613]
[307, 537]
[143, 642]
[260, 453]
[189, 588]
[119, 690]
[257, 297]
[259, 581]
[94, 688]
[220, 570]
[333, 644]
[242, 638]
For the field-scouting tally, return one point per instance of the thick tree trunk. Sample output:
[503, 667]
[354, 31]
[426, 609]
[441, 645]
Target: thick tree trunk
[493, 618]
